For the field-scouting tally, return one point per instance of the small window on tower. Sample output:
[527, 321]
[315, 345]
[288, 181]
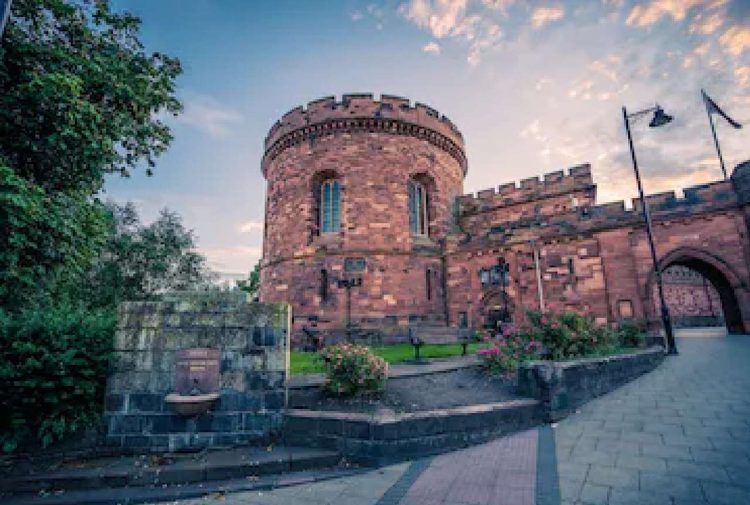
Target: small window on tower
[417, 208]
[330, 204]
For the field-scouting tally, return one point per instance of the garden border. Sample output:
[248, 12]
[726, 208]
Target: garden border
[552, 390]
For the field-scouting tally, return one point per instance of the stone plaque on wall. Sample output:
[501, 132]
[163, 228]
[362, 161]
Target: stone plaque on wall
[197, 369]
[354, 264]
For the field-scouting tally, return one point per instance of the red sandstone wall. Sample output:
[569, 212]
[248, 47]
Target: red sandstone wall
[612, 267]
[373, 165]
[556, 193]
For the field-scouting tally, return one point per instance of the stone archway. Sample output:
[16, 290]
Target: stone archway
[496, 307]
[730, 287]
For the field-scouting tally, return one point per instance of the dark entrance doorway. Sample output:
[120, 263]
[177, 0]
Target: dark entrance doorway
[698, 293]
[497, 308]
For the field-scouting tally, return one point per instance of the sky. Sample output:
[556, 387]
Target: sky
[533, 86]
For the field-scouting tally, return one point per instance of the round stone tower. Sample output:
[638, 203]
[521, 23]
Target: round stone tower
[360, 188]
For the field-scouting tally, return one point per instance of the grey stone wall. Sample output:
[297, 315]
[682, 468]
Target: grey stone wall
[563, 386]
[253, 340]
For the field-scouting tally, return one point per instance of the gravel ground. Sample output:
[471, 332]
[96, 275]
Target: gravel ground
[466, 386]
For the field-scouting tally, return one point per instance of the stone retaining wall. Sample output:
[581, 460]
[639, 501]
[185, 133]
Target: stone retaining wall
[563, 386]
[252, 339]
[384, 438]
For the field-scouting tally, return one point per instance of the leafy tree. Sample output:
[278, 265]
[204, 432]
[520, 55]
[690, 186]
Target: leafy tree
[251, 286]
[142, 261]
[47, 240]
[79, 95]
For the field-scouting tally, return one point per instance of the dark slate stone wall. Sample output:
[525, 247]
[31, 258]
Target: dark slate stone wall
[385, 438]
[563, 386]
[253, 340]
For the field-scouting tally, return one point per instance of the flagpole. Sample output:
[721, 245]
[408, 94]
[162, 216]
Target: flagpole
[716, 139]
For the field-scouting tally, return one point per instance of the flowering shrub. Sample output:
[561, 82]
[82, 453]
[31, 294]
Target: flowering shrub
[554, 336]
[569, 335]
[353, 369]
[507, 350]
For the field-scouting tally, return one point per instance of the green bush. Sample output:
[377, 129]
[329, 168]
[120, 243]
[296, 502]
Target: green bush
[353, 369]
[53, 364]
[631, 333]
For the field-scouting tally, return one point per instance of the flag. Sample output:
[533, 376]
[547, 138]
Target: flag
[711, 107]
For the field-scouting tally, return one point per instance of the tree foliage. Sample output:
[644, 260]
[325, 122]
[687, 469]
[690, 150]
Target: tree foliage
[79, 95]
[251, 286]
[80, 98]
[47, 240]
[139, 261]
[52, 364]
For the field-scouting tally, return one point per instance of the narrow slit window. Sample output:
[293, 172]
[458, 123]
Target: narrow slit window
[428, 283]
[330, 206]
[417, 208]
[324, 285]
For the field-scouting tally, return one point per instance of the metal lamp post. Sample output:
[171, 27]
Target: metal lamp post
[660, 118]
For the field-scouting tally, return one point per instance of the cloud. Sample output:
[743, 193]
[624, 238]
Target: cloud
[649, 13]
[206, 114]
[543, 15]
[488, 38]
[499, 5]
[736, 39]
[250, 227]
[233, 259]
[431, 48]
[448, 19]
[543, 83]
[607, 66]
[581, 89]
[742, 76]
[439, 16]
[357, 16]
[699, 51]
[706, 25]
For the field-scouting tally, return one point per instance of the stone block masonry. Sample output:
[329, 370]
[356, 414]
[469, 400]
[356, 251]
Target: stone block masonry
[421, 257]
[562, 387]
[253, 340]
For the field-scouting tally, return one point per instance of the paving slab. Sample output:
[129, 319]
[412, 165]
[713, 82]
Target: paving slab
[677, 435]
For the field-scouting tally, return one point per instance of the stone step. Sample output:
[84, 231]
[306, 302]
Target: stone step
[177, 469]
[213, 491]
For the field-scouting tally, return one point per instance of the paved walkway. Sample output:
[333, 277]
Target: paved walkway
[677, 436]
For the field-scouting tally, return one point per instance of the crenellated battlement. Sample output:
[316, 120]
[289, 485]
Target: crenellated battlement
[362, 112]
[577, 178]
[662, 206]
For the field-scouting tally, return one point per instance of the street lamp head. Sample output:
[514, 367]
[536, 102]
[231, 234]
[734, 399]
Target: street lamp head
[660, 118]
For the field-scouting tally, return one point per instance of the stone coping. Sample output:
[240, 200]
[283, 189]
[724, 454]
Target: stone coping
[385, 416]
[394, 371]
[599, 359]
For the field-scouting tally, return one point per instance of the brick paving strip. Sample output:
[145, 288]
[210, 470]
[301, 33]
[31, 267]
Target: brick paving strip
[501, 472]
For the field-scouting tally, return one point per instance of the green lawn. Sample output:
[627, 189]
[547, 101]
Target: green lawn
[306, 362]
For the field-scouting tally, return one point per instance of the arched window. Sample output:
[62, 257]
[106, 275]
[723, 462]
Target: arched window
[417, 208]
[330, 205]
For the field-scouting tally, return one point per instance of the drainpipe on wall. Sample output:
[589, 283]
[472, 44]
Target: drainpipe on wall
[444, 286]
[539, 287]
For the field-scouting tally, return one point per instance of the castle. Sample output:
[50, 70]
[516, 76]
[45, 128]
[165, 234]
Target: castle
[373, 190]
